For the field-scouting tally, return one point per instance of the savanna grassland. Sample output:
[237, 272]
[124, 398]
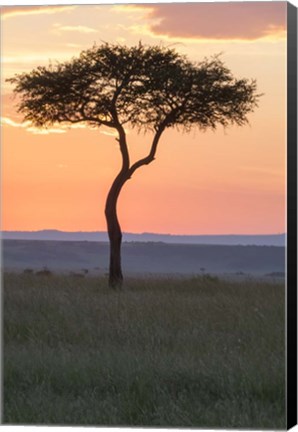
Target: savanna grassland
[197, 352]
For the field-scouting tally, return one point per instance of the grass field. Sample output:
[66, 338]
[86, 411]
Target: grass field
[173, 353]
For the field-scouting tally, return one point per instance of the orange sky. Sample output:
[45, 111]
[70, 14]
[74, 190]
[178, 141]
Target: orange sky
[219, 182]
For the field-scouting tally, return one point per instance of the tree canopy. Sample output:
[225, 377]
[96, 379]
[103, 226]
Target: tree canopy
[149, 87]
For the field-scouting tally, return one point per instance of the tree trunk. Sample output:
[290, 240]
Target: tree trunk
[114, 230]
[115, 236]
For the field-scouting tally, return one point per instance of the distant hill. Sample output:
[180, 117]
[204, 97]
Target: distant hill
[144, 258]
[100, 236]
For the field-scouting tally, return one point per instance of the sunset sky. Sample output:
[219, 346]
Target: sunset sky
[224, 182]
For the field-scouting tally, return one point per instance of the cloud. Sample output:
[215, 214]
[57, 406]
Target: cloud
[29, 128]
[37, 131]
[80, 29]
[223, 21]
[111, 134]
[9, 122]
[56, 129]
[13, 11]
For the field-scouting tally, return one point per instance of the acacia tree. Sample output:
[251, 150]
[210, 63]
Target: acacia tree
[151, 88]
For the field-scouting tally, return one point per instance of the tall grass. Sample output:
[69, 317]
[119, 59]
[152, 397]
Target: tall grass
[172, 353]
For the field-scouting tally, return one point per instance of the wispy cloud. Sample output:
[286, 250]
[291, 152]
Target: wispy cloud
[37, 131]
[13, 11]
[79, 29]
[108, 133]
[9, 122]
[113, 133]
[6, 121]
[55, 129]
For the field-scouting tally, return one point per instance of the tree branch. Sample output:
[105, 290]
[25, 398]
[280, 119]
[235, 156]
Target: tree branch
[66, 118]
[151, 155]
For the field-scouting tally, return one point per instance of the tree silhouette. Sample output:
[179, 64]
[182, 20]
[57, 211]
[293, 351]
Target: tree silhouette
[151, 88]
